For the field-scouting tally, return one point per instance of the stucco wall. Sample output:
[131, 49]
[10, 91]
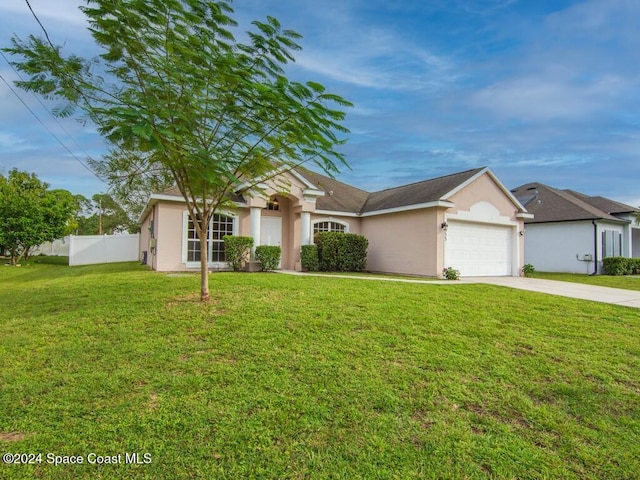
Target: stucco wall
[404, 242]
[552, 247]
[169, 233]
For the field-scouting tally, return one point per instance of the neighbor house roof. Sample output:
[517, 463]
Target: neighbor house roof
[549, 204]
[605, 204]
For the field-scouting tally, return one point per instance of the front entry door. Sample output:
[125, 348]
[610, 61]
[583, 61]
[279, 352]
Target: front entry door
[271, 233]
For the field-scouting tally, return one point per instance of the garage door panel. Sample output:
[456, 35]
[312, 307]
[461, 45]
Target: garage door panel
[479, 249]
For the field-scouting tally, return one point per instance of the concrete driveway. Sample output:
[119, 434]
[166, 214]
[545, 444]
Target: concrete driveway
[615, 296]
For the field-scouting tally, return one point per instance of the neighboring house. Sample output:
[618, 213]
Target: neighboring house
[468, 221]
[572, 232]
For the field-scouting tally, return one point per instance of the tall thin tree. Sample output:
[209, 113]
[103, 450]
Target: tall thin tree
[208, 110]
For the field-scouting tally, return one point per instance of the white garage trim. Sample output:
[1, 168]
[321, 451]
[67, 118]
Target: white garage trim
[481, 242]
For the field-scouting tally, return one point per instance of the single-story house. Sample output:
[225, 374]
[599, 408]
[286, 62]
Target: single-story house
[572, 232]
[467, 220]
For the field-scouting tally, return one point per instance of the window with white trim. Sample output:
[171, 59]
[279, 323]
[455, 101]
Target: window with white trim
[219, 226]
[611, 243]
[329, 226]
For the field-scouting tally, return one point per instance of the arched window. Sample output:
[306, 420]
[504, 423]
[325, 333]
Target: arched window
[329, 226]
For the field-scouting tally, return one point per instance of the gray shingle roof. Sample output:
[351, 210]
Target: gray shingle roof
[605, 204]
[549, 204]
[341, 197]
[417, 193]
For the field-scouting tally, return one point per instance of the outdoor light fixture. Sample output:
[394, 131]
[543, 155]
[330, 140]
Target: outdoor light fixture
[444, 226]
[521, 233]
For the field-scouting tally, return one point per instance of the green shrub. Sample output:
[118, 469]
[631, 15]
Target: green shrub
[309, 258]
[268, 256]
[528, 270]
[353, 252]
[634, 266]
[237, 250]
[344, 252]
[451, 273]
[616, 266]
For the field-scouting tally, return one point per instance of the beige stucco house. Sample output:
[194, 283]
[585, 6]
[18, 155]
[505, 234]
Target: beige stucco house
[467, 220]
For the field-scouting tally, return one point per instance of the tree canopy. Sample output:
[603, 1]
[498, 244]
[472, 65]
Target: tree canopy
[104, 216]
[178, 95]
[31, 214]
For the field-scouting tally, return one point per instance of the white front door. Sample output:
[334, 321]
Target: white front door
[271, 232]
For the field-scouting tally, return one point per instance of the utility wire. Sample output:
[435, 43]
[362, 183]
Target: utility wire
[40, 23]
[48, 129]
[46, 108]
[43, 105]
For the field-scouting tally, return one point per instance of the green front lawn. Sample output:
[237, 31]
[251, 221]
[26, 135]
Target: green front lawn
[311, 377]
[627, 282]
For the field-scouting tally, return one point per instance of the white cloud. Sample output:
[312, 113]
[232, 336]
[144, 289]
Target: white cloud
[10, 142]
[61, 11]
[549, 96]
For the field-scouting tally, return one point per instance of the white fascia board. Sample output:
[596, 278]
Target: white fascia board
[310, 192]
[525, 215]
[407, 208]
[156, 197]
[336, 213]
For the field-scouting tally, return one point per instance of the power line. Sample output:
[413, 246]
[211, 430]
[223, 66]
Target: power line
[46, 108]
[39, 23]
[43, 105]
[48, 129]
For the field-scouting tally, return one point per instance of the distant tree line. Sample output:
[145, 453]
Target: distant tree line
[31, 214]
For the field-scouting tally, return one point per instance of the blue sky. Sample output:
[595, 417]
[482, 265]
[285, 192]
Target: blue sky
[544, 91]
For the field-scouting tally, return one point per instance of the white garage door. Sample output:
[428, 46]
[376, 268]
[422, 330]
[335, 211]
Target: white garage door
[478, 249]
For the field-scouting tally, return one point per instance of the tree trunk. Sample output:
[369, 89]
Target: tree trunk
[204, 263]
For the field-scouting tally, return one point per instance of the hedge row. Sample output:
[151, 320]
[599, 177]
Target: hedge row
[336, 251]
[621, 266]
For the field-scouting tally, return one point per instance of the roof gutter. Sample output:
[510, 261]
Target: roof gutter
[595, 247]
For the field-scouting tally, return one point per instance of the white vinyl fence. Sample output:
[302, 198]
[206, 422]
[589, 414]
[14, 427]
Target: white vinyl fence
[90, 249]
[57, 248]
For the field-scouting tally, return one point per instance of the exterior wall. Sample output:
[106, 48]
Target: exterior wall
[144, 239]
[558, 247]
[167, 256]
[405, 242]
[169, 233]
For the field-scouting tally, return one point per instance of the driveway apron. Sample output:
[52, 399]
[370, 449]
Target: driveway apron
[615, 296]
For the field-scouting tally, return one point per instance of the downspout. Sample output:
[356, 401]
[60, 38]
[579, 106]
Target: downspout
[595, 247]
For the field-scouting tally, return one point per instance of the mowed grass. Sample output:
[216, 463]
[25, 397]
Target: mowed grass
[627, 282]
[283, 377]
